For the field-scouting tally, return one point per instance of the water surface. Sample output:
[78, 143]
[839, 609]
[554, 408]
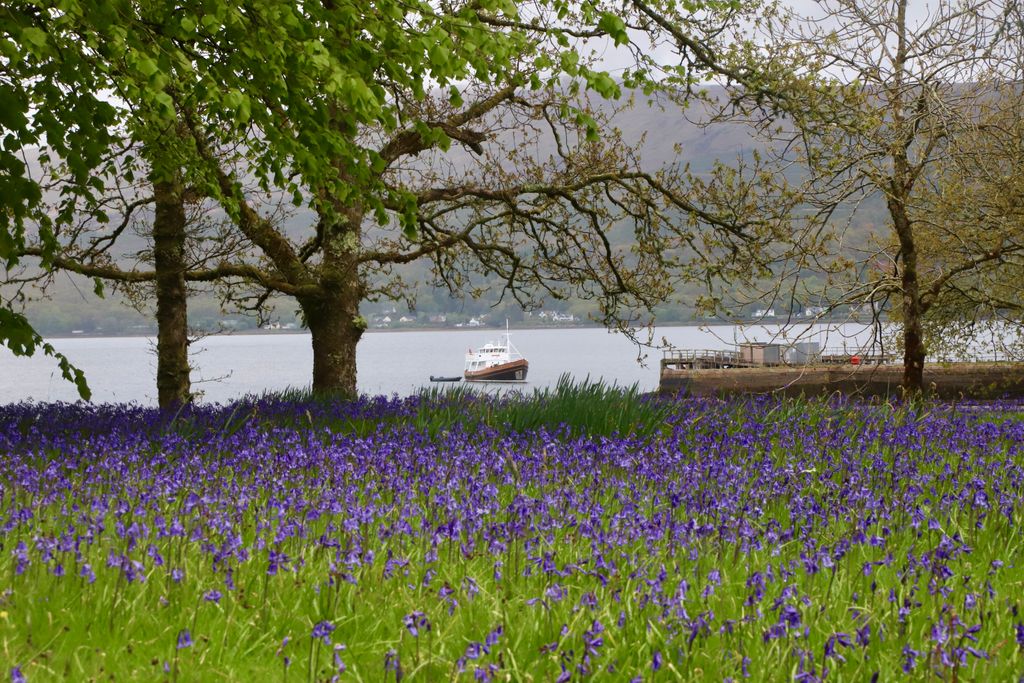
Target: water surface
[123, 369]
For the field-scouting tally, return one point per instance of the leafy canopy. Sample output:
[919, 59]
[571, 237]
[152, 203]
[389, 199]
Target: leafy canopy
[291, 82]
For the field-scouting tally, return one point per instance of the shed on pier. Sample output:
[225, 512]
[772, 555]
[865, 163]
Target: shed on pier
[761, 353]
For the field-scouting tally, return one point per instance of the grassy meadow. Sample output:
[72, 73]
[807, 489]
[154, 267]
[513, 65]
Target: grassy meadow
[581, 533]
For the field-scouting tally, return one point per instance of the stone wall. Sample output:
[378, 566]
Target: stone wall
[946, 380]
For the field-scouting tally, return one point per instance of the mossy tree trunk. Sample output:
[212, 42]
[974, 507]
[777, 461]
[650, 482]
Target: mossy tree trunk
[174, 386]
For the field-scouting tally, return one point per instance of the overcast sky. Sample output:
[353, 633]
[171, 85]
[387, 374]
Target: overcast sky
[616, 59]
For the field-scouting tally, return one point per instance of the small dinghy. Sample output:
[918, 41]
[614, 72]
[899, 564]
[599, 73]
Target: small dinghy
[445, 379]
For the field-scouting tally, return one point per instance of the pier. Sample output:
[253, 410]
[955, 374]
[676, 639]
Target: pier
[703, 359]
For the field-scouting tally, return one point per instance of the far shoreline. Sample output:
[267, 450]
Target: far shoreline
[481, 328]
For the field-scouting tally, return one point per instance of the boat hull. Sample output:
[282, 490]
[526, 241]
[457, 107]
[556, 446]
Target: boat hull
[512, 371]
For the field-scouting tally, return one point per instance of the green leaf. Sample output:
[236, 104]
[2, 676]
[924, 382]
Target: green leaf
[454, 97]
[166, 104]
[12, 109]
[613, 25]
[233, 99]
[440, 57]
[69, 371]
[17, 334]
[34, 36]
[603, 84]
[147, 66]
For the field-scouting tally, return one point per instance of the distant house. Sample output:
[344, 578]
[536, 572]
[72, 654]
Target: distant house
[764, 313]
[406, 319]
[473, 322]
[556, 316]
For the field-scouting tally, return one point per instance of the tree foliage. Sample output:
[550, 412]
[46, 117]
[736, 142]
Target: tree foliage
[459, 133]
[887, 102]
[972, 235]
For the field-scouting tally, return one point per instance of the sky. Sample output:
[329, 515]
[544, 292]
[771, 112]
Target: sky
[615, 60]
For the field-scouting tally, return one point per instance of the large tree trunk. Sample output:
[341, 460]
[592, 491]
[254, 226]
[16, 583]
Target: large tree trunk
[336, 328]
[172, 371]
[913, 337]
[333, 315]
[900, 188]
[913, 310]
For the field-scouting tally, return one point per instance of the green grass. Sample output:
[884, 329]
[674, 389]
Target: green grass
[588, 407]
[571, 408]
[592, 461]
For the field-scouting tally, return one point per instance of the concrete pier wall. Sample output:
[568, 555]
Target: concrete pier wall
[945, 380]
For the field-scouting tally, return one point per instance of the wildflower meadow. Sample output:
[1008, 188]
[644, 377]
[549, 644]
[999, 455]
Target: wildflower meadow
[585, 533]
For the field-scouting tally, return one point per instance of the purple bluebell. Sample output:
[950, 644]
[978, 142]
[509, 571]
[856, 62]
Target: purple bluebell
[322, 631]
[416, 622]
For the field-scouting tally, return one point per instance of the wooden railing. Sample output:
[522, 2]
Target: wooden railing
[866, 356]
[693, 359]
[696, 359]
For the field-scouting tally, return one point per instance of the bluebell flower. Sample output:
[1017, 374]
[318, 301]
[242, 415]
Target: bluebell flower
[392, 662]
[416, 622]
[910, 656]
[339, 665]
[322, 631]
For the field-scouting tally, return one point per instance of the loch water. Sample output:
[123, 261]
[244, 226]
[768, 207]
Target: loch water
[227, 367]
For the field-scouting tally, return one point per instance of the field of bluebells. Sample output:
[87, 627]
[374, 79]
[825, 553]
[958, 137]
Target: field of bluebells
[597, 535]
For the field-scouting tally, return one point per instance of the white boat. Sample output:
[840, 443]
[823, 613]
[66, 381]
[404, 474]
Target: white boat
[496, 362]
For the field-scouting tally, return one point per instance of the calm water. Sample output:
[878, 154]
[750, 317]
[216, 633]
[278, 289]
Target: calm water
[123, 369]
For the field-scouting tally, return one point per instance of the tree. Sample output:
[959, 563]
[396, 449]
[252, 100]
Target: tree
[885, 99]
[511, 174]
[161, 210]
[144, 238]
[48, 91]
[342, 120]
[74, 78]
[60, 63]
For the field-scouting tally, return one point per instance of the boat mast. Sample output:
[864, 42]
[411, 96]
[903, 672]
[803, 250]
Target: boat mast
[509, 349]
